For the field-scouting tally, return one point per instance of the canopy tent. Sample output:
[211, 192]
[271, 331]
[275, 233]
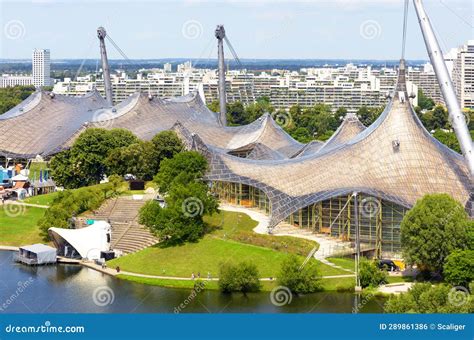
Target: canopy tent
[37, 254]
[86, 243]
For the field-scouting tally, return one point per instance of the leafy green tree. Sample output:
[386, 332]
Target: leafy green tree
[424, 102]
[138, 159]
[213, 106]
[236, 114]
[370, 274]
[435, 227]
[368, 115]
[84, 164]
[167, 144]
[184, 167]
[243, 277]
[187, 200]
[458, 268]
[425, 298]
[299, 280]
[448, 138]
[12, 96]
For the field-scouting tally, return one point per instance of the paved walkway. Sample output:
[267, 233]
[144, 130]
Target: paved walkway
[395, 288]
[27, 204]
[113, 272]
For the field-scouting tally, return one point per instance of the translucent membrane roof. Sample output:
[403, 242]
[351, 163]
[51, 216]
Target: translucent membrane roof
[395, 159]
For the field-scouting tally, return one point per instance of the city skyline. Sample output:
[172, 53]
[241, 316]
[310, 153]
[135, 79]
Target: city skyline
[185, 29]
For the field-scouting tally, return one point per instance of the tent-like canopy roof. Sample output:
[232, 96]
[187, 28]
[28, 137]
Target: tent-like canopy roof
[88, 241]
[395, 159]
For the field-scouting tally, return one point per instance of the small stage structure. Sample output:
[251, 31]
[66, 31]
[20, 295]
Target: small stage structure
[36, 254]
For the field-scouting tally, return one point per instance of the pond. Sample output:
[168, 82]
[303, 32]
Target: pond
[65, 288]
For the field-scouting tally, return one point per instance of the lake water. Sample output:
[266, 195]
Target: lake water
[76, 289]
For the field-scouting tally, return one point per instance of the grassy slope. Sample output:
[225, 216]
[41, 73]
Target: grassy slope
[21, 229]
[42, 199]
[207, 254]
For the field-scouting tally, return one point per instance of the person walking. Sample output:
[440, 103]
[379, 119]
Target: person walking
[193, 276]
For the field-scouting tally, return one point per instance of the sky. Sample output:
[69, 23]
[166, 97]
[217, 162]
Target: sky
[260, 29]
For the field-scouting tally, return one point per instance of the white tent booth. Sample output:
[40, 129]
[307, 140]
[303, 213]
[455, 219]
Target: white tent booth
[85, 243]
[36, 254]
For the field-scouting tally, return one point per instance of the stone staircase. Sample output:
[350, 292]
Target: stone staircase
[128, 235]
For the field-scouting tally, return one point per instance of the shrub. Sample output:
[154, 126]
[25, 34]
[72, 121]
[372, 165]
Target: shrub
[71, 203]
[370, 274]
[299, 280]
[243, 277]
[425, 298]
[458, 270]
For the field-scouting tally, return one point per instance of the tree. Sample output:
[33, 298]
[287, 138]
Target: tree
[425, 298]
[138, 159]
[368, 115]
[243, 277]
[424, 102]
[184, 167]
[299, 280]
[187, 200]
[458, 269]
[167, 144]
[12, 96]
[84, 164]
[448, 138]
[370, 274]
[435, 227]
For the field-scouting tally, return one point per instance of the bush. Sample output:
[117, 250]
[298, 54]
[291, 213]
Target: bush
[243, 277]
[435, 227]
[71, 203]
[458, 270]
[370, 274]
[425, 298]
[300, 281]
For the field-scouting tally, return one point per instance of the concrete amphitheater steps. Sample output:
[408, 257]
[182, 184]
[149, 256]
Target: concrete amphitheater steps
[128, 235]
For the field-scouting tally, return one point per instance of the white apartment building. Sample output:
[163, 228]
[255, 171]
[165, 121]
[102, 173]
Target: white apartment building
[9, 80]
[463, 75]
[349, 86]
[41, 67]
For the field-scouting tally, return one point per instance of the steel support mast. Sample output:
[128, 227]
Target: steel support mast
[458, 119]
[101, 34]
[220, 35]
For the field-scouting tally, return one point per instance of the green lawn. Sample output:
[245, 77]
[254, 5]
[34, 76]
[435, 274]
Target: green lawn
[42, 199]
[21, 229]
[207, 254]
[343, 262]
[239, 227]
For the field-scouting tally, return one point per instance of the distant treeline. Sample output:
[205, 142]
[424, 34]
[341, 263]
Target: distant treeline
[133, 65]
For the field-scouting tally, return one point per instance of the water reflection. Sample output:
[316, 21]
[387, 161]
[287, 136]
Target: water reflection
[75, 289]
